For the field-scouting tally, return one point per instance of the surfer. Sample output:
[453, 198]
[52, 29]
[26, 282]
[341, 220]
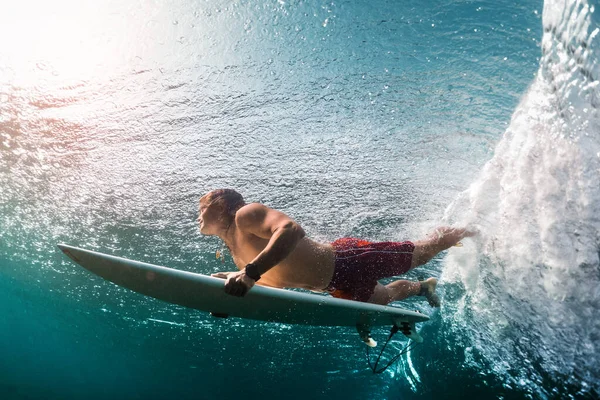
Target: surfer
[268, 246]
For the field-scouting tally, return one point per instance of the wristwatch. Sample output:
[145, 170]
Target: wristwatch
[252, 272]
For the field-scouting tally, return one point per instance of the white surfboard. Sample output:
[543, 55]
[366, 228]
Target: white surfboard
[206, 293]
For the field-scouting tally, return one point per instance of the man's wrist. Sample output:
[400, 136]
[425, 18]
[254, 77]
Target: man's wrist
[252, 272]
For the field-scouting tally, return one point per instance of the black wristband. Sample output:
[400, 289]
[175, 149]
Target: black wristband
[252, 272]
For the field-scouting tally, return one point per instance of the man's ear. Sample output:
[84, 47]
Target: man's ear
[221, 209]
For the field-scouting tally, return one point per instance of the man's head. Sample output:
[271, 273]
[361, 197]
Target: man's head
[217, 210]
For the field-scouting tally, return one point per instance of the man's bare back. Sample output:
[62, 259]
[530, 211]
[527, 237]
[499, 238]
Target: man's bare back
[269, 246]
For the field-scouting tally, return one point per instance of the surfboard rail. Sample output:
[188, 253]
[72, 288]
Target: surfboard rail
[206, 293]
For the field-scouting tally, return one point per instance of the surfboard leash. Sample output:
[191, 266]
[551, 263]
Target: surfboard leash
[406, 348]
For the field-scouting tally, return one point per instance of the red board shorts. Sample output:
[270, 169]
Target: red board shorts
[359, 264]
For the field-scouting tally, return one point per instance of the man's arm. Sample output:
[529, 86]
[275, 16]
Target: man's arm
[283, 233]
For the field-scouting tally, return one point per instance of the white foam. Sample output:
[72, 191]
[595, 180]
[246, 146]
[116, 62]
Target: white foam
[532, 278]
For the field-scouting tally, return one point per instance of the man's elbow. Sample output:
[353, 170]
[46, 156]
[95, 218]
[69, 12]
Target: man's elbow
[300, 232]
[295, 230]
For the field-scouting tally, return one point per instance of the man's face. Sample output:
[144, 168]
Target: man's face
[209, 217]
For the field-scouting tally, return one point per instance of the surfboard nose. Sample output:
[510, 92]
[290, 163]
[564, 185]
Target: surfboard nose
[67, 250]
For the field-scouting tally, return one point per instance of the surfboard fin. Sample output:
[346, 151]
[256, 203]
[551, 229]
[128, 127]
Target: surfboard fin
[409, 330]
[365, 334]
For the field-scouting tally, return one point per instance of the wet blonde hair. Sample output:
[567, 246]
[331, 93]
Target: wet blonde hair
[228, 198]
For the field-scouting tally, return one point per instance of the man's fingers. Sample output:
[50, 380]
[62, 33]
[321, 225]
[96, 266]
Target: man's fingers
[222, 275]
[232, 287]
[240, 289]
[234, 290]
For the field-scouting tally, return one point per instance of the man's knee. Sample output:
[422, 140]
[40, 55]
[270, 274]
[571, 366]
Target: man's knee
[422, 253]
[381, 295]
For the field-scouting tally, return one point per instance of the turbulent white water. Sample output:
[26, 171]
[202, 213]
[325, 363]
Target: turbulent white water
[532, 277]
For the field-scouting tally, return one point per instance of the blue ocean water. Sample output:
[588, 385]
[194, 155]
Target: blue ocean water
[376, 119]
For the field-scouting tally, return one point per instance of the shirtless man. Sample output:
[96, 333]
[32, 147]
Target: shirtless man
[269, 246]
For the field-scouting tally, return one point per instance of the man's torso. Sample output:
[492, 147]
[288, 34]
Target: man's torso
[309, 266]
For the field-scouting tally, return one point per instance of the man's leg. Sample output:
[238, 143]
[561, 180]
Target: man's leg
[401, 289]
[441, 239]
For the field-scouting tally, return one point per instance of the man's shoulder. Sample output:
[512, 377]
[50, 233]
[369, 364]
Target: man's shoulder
[252, 208]
[251, 213]
[257, 213]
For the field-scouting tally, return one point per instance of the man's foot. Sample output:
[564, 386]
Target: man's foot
[451, 236]
[428, 290]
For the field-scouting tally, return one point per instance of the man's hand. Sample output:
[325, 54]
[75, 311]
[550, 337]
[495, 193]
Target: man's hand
[237, 283]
